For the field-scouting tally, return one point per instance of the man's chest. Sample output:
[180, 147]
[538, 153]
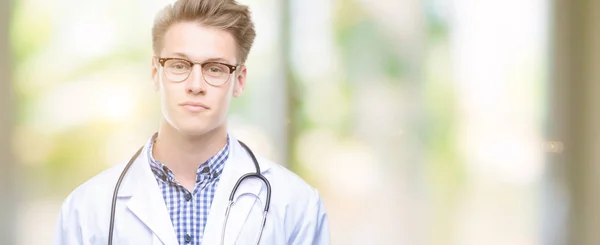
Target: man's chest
[189, 210]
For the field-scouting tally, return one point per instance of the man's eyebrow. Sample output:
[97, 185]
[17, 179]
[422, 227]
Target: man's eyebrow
[222, 60]
[181, 55]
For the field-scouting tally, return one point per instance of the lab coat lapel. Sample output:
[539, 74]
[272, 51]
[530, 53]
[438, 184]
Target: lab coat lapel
[238, 164]
[146, 200]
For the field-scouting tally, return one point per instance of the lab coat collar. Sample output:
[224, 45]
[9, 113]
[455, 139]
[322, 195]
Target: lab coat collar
[148, 205]
[146, 201]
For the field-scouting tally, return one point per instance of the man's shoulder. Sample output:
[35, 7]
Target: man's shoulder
[286, 183]
[300, 201]
[96, 187]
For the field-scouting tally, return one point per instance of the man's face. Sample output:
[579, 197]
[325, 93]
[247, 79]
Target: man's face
[198, 103]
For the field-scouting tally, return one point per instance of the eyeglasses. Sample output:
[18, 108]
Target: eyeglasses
[214, 73]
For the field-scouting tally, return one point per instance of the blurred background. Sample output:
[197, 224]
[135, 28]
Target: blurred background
[463, 122]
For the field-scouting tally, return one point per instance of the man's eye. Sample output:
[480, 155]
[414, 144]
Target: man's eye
[215, 69]
[179, 66]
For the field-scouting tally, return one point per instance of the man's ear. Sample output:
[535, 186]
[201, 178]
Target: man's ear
[238, 88]
[155, 74]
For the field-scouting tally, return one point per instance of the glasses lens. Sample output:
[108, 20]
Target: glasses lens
[177, 70]
[215, 73]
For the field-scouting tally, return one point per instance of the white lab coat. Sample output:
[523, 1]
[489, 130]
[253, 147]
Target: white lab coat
[296, 216]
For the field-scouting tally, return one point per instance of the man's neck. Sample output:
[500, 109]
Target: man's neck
[183, 154]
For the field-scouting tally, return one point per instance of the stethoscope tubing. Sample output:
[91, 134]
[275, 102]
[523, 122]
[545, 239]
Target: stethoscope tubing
[256, 174]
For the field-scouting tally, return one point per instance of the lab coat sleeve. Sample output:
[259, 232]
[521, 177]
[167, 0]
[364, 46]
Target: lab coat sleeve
[313, 229]
[68, 228]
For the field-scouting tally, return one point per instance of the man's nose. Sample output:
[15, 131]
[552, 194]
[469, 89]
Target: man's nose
[195, 82]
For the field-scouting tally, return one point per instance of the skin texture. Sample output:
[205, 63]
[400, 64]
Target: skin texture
[187, 138]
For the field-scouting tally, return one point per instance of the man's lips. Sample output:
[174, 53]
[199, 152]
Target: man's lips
[194, 106]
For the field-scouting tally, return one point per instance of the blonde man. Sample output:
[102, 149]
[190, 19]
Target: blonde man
[179, 187]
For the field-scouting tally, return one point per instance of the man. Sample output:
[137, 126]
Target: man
[177, 188]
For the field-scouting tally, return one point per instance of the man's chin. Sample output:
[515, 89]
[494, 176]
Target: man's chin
[197, 129]
[194, 131]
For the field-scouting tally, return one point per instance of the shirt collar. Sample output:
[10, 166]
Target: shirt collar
[215, 163]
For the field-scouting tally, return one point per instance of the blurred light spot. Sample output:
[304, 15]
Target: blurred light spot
[510, 160]
[498, 97]
[82, 102]
[89, 36]
[117, 106]
[554, 146]
[314, 56]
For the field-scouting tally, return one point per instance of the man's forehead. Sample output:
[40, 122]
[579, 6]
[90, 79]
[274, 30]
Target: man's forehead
[195, 42]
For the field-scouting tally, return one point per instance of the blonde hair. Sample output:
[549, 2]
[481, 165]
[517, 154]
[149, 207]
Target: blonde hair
[226, 15]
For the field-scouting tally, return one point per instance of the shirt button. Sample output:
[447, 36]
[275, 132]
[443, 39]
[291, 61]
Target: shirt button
[188, 238]
[205, 170]
[188, 196]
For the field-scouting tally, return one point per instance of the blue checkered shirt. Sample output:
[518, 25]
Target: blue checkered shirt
[189, 211]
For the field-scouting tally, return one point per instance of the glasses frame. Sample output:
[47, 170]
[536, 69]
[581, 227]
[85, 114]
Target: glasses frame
[232, 68]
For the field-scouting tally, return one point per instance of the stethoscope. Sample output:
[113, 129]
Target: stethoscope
[257, 174]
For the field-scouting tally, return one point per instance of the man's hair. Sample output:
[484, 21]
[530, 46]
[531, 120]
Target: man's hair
[226, 15]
